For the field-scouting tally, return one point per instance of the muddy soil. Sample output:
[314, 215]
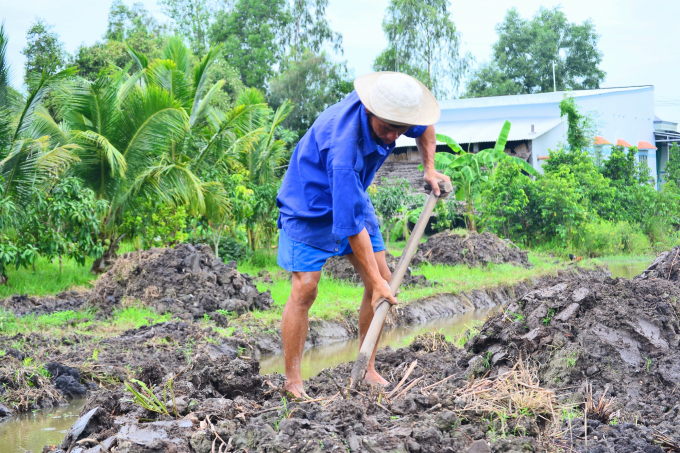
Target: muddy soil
[80, 363]
[227, 402]
[613, 338]
[666, 266]
[186, 281]
[339, 267]
[471, 249]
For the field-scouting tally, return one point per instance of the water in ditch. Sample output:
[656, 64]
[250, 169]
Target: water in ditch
[34, 430]
[628, 270]
[317, 358]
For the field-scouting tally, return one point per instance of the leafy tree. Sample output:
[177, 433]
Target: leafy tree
[311, 84]
[525, 50]
[504, 199]
[424, 43]
[310, 28]
[254, 36]
[673, 164]
[193, 19]
[65, 222]
[132, 25]
[44, 52]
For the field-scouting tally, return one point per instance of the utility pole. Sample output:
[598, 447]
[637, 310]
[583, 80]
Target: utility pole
[554, 82]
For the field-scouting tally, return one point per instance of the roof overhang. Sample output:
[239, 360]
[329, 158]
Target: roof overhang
[487, 130]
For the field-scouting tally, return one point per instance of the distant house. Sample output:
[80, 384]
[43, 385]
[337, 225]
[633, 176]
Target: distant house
[623, 115]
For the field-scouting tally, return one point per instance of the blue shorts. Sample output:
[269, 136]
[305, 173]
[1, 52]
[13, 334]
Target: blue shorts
[296, 256]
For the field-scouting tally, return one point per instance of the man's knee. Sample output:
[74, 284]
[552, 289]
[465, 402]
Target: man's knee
[305, 288]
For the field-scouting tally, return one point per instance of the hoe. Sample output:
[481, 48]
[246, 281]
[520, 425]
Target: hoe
[359, 369]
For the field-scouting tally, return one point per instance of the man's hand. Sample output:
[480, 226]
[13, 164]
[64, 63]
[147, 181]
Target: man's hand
[382, 290]
[433, 177]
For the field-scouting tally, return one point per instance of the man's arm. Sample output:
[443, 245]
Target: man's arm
[363, 251]
[427, 146]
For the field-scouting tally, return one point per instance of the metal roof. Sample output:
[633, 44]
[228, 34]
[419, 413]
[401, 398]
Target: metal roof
[535, 98]
[487, 130]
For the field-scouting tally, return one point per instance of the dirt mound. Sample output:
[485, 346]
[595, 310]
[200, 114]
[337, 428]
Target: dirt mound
[339, 267]
[602, 338]
[23, 304]
[472, 249]
[187, 281]
[666, 266]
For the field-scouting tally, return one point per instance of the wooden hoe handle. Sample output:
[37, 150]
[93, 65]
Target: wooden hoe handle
[359, 369]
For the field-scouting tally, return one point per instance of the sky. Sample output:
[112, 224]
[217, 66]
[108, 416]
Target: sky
[640, 40]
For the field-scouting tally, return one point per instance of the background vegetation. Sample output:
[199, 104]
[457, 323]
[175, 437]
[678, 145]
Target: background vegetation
[181, 132]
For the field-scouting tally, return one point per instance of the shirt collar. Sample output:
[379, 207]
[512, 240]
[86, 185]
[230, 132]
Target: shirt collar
[370, 144]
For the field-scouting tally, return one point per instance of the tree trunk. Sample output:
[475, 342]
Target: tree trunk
[99, 265]
[60, 265]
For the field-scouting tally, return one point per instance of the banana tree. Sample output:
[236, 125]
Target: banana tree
[468, 171]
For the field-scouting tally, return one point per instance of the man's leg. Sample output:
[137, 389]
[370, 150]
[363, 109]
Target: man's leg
[366, 311]
[294, 326]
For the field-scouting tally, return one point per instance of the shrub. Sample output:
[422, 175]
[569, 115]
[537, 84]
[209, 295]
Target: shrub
[612, 238]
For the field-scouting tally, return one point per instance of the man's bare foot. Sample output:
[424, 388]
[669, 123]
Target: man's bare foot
[372, 377]
[296, 388]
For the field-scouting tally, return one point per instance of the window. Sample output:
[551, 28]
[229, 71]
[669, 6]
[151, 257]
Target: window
[643, 159]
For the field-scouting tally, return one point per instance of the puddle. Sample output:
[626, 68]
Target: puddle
[33, 431]
[316, 359]
[628, 270]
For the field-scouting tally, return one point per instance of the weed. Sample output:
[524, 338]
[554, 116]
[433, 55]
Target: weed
[146, 398]
[487, 358]
[95, 355]
[516, 317]
[27, 362]
[649, 363]
[240, 352]
[549, 316]
[571, 360]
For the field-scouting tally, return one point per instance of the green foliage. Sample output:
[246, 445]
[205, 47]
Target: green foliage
[65, 222]
[253, 37]
[156, 224]
[523, 56]
[672, 168]
[468, 171]
[192, 20]
[44, 52]
[581, 128]
[504, 200]
[312, 83]
[608, 238]
[423, 42]
[393, 201]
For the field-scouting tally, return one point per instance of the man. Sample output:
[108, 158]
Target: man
[325, 210]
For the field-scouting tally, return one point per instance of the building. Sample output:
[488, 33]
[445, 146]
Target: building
[623, 115]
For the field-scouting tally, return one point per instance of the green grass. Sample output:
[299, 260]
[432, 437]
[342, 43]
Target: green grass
[47, 279]
[78, 321]
[337, 298]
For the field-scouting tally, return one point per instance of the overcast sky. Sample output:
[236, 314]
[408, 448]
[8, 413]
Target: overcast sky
[640, 40]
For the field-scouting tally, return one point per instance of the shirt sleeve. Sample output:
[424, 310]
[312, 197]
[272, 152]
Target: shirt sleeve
[415, 131]
[349, 201]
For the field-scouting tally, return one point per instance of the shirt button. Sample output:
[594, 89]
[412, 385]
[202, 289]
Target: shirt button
[336, 250]
[338, 242]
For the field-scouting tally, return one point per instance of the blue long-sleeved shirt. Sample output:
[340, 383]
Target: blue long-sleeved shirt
[323, 194]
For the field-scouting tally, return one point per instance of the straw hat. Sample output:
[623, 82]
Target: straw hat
[397, 98]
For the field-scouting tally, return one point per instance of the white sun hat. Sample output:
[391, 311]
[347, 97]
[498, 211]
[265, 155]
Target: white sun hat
[397, 98]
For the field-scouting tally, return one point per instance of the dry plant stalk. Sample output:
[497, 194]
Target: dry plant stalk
[604, 409]
[514, 393]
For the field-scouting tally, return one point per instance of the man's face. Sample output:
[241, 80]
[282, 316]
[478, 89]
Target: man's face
[386, 132]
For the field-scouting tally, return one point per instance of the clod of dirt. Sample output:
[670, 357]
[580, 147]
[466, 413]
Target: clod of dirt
[666, 266]
[187, 281]
[339, 267]
[472, 249]
[603, 338]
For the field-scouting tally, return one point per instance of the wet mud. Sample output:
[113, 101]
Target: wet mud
[471, 249]
[666, 266]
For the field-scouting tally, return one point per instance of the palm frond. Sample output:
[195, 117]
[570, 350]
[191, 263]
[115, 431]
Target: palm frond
[102, 152]
[166, 75]
[200, 106]
[179, 53]
[201, 75]
[138, 57]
